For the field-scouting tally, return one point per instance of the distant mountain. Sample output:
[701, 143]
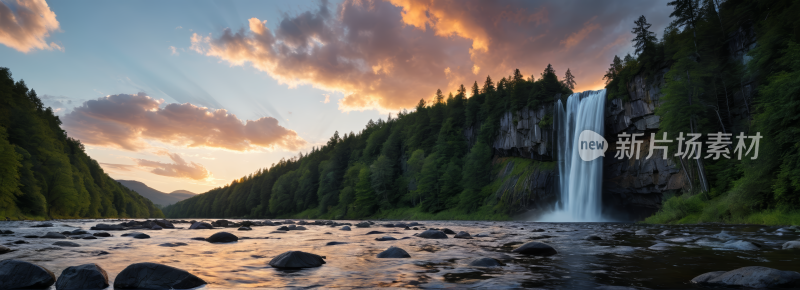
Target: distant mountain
[156, 196]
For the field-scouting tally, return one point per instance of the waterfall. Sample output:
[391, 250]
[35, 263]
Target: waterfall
[580, 182]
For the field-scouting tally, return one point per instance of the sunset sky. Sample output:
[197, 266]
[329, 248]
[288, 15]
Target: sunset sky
[193, 94]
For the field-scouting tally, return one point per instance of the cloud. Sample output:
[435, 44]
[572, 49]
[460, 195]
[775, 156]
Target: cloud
[389, 54]
[327, 98]
[127, 121]
[174, 50]
[25, 25]
[180, 168]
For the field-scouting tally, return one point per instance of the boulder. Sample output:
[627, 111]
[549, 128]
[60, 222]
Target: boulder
[283, 228]
[741, 245]
[751, 277]
[448, 231]
[86, 276]
[485, 262]
[394, 252]
[16, 274]
[141, 236]
[592, 238]
[155, 276]
[131, 234]
[222, 237]
[462, 235]
[78, 232]
[200, 226]
[42, 225]
[336, 243]
[7, 232]
[165, 224]
[665, 233]
[66, 244]
[4, 249]
[432, 234]
[172, 245]
[345, 228]
[296, 260]
[536, 249]
[791, 245]
[362, 225]
[641, 232]
[483, 235]
[386, 238]
[17, 242]
[54, 235]
[102, 234]
[156, 227]
[245, 229]
[89, 238]
[105, 227]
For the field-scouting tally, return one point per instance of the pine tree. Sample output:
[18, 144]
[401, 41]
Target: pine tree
[569, 80]
[644, 38]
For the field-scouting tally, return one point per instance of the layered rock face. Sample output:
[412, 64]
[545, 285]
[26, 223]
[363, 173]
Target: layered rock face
[521, 135]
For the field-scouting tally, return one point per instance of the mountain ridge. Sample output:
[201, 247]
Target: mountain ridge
[156, 196]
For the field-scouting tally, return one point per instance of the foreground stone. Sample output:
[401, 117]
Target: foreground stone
[4, 249]
[222, 237]
[462, 235]
[753, 277]
[141, 236]
[200, 226]
[87, 276]
[536, 249]
[592, 238]
[101, 234]
[296, 260]
[155, 276]
[432, 234]
[16, 274]
[66, 244]
[485, 262]
[394, 252]
[791, 245]
[345, 228]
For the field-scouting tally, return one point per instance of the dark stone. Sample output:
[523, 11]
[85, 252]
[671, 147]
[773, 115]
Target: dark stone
[102, 234]
[156, 227]
[386, 238]
[131, 234]
[155, 276]
[165, 224]
[4, 249]
[432, 234]
[485, 262]
[751, 277]
[42, 225]
[87, 276]
[283, 228]
[362, 225]
[296, 260]
[374, 233]
[66, 244]
[345, 228]
[222, 237]
[462, 235]
[31, 237]
[200, 226]
[394, 252]
[448, 231]
[336, 243]
[388, 225]
[198, 239]
[141, 236]
[245, 228]
[536, 249]
[21, 242]
[172, 245]
[89, 238]
[592, 238]
[54, 235]
[7, 232]
[16, 274]
[78, 232]
[105, 227]
[537, 230]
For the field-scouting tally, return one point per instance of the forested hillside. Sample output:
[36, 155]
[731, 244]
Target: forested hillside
[715, 52]
[45, 174]
[416, 162]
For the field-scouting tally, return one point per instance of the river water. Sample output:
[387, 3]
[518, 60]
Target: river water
[621, 258]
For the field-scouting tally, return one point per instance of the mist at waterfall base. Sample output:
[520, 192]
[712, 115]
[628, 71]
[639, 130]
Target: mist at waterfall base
[580, 182]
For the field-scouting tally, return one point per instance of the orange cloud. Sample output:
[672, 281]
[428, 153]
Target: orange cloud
[29, 27]
[579, 36]
[126, 121]
[180, 168]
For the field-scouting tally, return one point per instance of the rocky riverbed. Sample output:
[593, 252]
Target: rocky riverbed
[425, 254]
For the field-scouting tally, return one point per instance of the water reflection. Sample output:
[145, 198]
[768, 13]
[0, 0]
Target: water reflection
[624, 257]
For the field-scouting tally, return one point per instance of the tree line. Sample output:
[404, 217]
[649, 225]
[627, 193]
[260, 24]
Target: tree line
[45, 174]
[419, 160]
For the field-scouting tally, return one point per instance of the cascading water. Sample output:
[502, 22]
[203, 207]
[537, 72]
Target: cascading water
[580, 181]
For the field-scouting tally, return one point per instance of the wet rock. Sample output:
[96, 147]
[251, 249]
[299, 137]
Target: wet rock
[462, 235]
[296, 260]
[6, 232]
[386, 238]
[172, 245]
[752, 277]
[66, 244]
[336, 243]
[245, 229]
[415, 228]
[537, 230]
[20, 242]
[665, 233]
[201, 226]
[222, 237]
[156, 227]
[165, 224]
[681, 240]
[345, 228]
[641, 232]
[141, 236]
[31, 236]
[741, 245]
[387, 225]
[448, 231]
[723, 235]
[16, 274]
[102, 234]
[4, 249]
[106, 227]
[483, 235]
[432, 234]
[87, 276]
[536, 249]
[660, 247]
[131, 234]
[54, 235]
[374, 233]
[42, 225]
[362, 225]
[89, 238]
[155, 276]
[592, 238]
[791, 245]
[78, 232]
[394, 252]
[485, 262]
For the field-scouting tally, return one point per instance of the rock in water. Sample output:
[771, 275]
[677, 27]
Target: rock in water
[156, 227]
[101, 234]
[54, 235]
[141, 236]
[15, 274]
[345, 228]
[394, 252]
[4, 249]
[362, 225]
[66, 244]
[432, 234]
[485, 262]
[43, 225]
[245, 229]
[200, 226]
[752, 277]
[536, 249]
[222, 237]
[448, 231]
[462, 235]
[87, 276]
[296, 260]
[791, 245]
[155, 276]
[385, 238]
[592, 238]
